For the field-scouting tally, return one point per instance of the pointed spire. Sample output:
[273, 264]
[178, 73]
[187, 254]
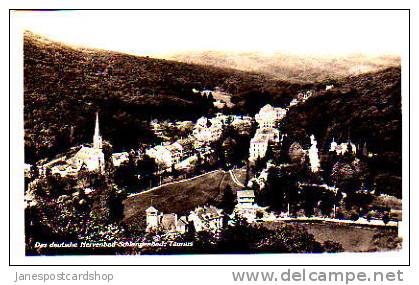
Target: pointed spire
[97, 139]
[97, 125]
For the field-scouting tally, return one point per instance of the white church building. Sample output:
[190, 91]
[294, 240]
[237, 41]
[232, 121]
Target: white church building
[91, 158]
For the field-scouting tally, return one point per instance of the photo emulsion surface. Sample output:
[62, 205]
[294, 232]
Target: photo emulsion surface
[200, 138]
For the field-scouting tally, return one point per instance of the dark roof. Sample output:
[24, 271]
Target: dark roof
[151, 209]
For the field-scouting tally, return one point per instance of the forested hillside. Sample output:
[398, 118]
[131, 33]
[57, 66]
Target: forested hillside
[64, 86]
[365, 109]
[292, 67]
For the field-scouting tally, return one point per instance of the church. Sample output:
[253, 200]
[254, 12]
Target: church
[91, 158]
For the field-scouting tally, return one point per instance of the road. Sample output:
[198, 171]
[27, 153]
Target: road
[234, 178]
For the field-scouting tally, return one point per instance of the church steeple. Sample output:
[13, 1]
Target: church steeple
[97, 139]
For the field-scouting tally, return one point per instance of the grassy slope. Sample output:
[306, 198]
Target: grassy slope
[179, 198]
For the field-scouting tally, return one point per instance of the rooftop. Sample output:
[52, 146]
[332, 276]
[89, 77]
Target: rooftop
[245, 194]
[151, 209]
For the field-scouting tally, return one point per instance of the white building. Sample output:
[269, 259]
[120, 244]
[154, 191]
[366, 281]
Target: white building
[245, 198]
[246, 206]
[152, 218]
[270, 134]
[258, 147]
[313, 155]
[119, 158]
[206, 92]
[303, 96]
[164, 222]
[329, 87]
[206, 218]
[91, 158]
[268, 116]
[343, 148]
[187, 163]
[260, 142]
[208, 130]
[166, 155]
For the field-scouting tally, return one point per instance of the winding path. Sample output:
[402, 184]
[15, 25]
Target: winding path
[234, 178]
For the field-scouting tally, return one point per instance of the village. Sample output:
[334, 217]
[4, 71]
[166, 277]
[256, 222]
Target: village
[194, 145]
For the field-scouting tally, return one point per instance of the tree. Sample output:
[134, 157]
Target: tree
[274, 192]
[289, 239]
[107, 204]
[228, 200]
[247, 172]
[107, 151]
[370, 215]
[239, 238]
[210, 97]
[344, 176]
[296, 153]
[386, 218]
[174, 171]
[147, 168]
[354, 216]
[229, 148]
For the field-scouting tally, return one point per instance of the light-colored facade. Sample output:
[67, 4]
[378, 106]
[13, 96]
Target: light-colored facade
[313, 155]
[246, 206]
[268, 116]
[343, 148]
[207, 218]
[260, 142]
[119, 158]
[208, 130]
[258, 148]
[245, 197]
[329, 87]
[166, 155]
[156, 221]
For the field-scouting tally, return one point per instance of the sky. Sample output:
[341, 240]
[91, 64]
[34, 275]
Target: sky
[166, 32]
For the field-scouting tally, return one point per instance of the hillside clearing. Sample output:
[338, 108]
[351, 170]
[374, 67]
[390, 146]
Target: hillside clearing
[180, 197]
